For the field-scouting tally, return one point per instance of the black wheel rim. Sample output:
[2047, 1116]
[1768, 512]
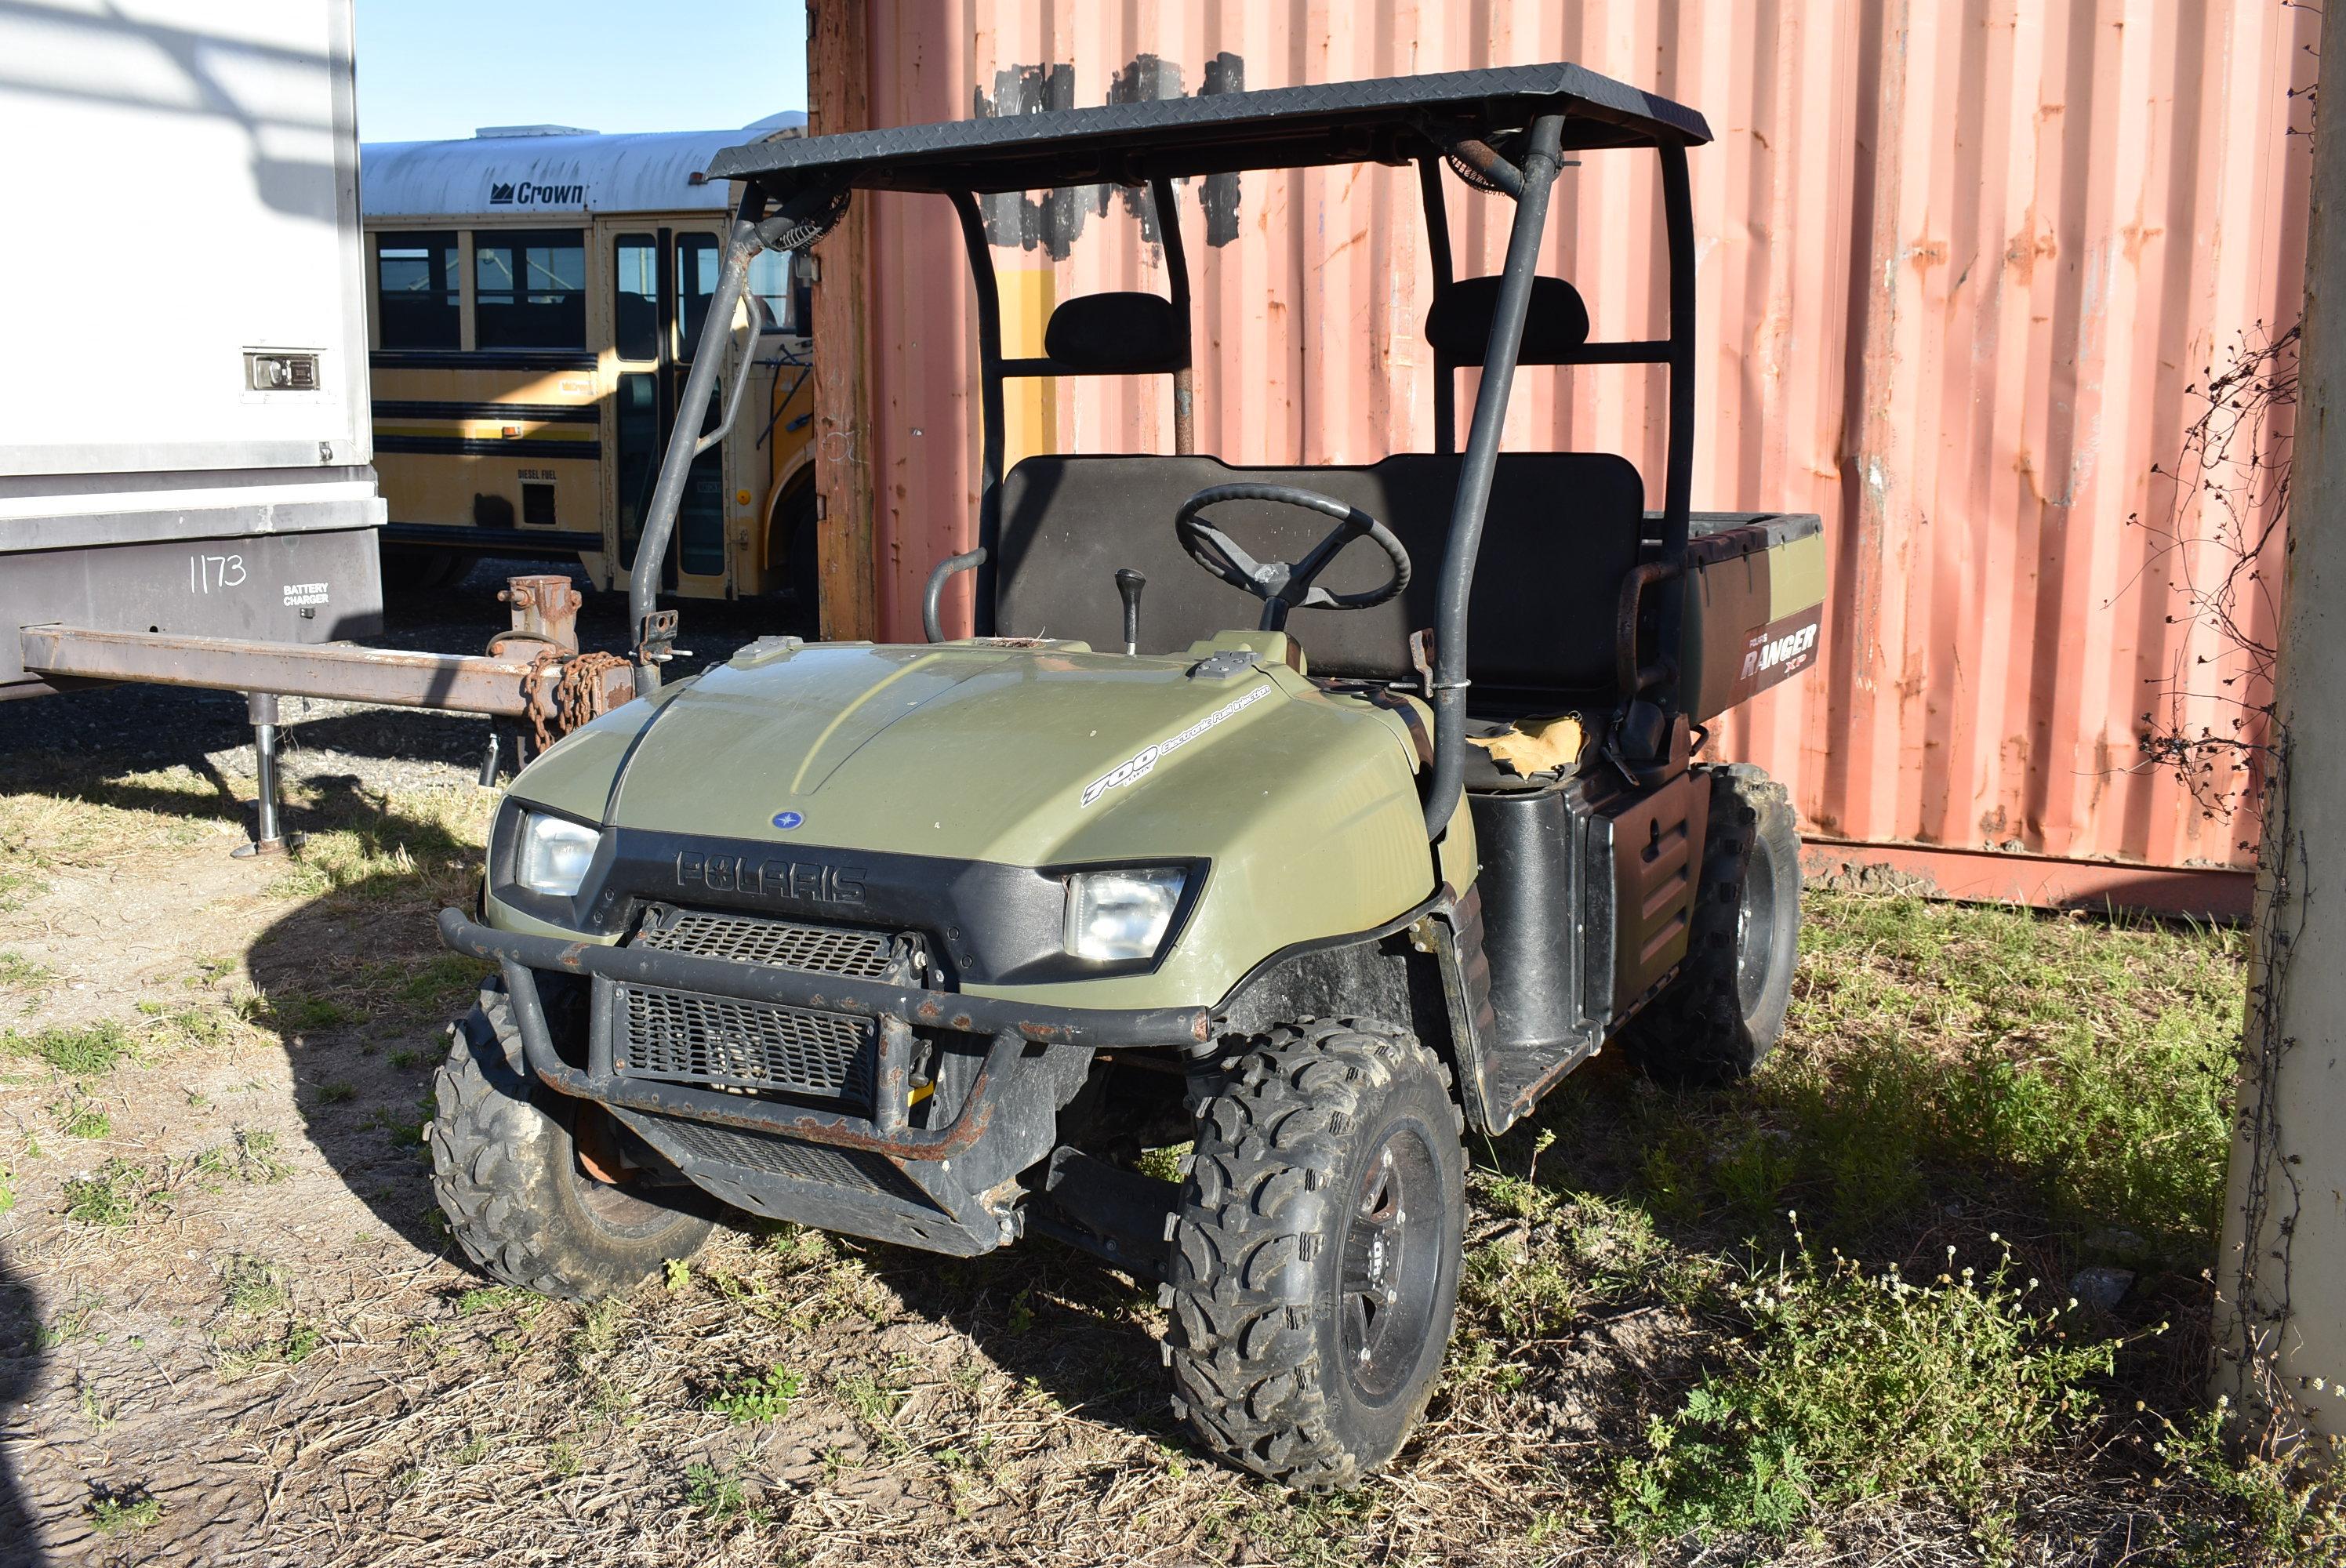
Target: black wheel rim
[1391, 1265]
[1755, 931]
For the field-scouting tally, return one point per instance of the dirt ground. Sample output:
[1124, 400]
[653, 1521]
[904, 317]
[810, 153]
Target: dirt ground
[233, 1328]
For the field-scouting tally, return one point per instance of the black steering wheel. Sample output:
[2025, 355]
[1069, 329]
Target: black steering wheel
[1279, 585]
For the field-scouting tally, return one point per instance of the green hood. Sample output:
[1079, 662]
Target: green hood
[1041, 756]
[983, 753]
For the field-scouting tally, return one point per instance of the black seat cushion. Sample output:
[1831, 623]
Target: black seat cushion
[1555, 323]
[1117, 334]
[1561, 532]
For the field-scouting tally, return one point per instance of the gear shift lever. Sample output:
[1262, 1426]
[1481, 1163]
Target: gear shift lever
[1129, 583]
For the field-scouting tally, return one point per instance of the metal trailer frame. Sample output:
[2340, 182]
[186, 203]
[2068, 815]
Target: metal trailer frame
[1534, 112]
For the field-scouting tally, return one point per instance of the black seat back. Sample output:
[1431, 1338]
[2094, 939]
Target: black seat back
[1556, 321]
[1563, 531]
[1123, 334]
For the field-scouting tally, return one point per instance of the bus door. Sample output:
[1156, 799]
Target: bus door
[661, 279]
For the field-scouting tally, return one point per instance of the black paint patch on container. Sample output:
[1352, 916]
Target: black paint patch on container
[1052, 221]
[1225, 73]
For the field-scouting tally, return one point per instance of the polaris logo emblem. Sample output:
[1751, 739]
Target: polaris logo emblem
[522, 193]
[1140, 766]
[796, 881]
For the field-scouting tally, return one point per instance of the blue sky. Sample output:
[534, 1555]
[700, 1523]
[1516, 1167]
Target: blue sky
[436, 69]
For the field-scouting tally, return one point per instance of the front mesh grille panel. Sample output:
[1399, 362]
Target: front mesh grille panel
[695, 1039]
[776, 1153]
[745, 939]
[691, 1038]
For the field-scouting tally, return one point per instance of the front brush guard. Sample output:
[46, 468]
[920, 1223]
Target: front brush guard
[897, 1010]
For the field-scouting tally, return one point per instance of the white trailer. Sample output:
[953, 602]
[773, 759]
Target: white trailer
[187, 488]
[185, 440]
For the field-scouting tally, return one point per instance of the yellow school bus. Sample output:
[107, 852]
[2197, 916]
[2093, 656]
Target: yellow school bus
[535, 294]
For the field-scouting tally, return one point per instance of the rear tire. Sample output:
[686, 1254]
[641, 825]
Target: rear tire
[507, 1174]
[1721, 1016]
[1314, 1265]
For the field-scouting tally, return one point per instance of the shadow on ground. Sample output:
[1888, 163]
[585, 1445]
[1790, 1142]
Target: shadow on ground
[20, 1369]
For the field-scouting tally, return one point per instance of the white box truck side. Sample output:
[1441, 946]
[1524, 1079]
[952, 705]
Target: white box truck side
[185, 439]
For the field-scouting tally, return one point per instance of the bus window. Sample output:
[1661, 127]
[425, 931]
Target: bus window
[770, 277]
[635, 296]
[415, 277]
[696, 280]
[529, 289]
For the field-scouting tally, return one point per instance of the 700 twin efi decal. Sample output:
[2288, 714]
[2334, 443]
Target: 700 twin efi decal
[1138, 767]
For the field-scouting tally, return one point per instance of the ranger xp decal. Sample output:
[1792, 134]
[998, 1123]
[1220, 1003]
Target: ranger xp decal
[1126, 773]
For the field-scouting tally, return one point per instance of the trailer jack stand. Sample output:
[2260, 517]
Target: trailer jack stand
[267, 835]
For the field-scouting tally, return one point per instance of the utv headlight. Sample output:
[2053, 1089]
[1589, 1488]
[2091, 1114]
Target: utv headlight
[1121, 914]
[555, 854]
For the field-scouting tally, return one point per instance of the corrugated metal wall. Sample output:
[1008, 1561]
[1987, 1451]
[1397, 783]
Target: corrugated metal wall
[1962, 266]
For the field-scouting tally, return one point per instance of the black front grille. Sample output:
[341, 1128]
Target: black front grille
[695, 1039]
[686, 1037]
[747, 939]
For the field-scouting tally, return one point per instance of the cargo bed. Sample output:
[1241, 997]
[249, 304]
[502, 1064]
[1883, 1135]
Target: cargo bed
[1754, 606]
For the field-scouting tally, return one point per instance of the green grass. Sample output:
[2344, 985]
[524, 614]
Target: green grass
[875, 1401]
[253, 1286]
[84, 1051]
[199, 1027]
[716, 1495]
[15, 887]
[18, 971]
[249, 1155]
[421, 845]
[84, 1119]
[752, 1396]
[295, 1343]
[260, 1327]
[442, 984]
[337, 1092]
[71, 1323]
[1946, 1073]
[118, 1194]
[493, 1298]
[303, 1011]
[68, 819]
[2080, 1071]
[1846, 1385]
[2086, 1066]
[125, 1514]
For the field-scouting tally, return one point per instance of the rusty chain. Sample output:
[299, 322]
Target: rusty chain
[578, 697]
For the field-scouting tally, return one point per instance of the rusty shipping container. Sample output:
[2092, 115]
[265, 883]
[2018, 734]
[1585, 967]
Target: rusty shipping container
[1965, 268]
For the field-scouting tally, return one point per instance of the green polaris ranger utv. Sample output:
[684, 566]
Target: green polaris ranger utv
[1307, 817]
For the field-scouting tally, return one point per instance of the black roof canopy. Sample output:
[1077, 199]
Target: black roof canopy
[1388, 120]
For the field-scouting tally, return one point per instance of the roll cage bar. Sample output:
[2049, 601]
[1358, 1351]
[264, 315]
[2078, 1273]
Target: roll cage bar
[1505, 129]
